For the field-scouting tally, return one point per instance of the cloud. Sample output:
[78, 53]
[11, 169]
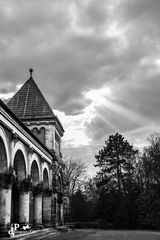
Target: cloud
[79, 50]
[75, 135]
[91, 15]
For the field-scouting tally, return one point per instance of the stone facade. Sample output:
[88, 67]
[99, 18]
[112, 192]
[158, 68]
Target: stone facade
[32, 181]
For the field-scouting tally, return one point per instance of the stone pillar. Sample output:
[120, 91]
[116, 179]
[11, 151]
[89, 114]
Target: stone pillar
[6, 180]
[37, 207]
[60, 207]
[54, 210]
[24, 200]
[66, 209]
[54, 218]
[47, 208]
[62, 214]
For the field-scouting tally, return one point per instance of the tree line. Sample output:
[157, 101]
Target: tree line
[125, 193]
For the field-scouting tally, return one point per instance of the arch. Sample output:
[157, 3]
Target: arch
[35, 158]
[39, 133]
[19, 165]
[35, 176]
[46, 166]
[19, 146]
[59, 186]
[5, 147]
[3, 157]
[45, 178]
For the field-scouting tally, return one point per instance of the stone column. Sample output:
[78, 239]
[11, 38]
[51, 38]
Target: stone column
[24, 197]
[54, 210]
[6, 180]
[66, 209]
[60, 207]
[47, 207]
[54, 218]
[62, 214]
[37, 207]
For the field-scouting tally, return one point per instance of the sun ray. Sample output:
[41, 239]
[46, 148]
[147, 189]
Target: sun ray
[103, 97]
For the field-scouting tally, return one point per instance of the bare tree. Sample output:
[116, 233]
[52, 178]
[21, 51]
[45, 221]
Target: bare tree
[151, 159]
[76, 174]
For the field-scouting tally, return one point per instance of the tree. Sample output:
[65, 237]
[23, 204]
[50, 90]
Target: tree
[116, 162]
[75, 173]
[115, 178]
[91, 193]
[148, 202]
[151, 159]
[91, 190]
[79, 207]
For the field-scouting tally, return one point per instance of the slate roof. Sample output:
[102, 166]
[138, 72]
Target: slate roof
[29, 103]
[4, 106]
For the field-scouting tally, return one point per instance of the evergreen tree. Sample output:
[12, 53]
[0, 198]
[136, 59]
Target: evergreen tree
[115, 179]
[116, 163]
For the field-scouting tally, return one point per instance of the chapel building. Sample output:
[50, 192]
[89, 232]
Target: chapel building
[33, 185]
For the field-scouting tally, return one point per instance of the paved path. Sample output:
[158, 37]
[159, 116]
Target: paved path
[92, 235]
[104, 235]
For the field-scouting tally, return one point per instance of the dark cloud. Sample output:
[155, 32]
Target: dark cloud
[133, 10]
[77, 46]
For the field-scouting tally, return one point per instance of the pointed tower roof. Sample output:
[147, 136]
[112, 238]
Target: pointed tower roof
[29, 103]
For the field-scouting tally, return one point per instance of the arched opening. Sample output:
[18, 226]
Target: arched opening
[59, 184]
[19, 166]
[3, 157]
[45, 178]
[59, 201]
[34, 173]
[20, 171]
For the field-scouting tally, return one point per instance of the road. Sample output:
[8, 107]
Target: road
[101, 235]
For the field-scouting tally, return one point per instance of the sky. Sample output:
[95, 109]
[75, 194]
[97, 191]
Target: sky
[97, 62]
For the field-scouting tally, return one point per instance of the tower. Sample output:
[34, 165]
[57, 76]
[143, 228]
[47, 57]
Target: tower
[31, 107]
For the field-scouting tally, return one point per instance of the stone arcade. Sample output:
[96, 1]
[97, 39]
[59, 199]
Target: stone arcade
[33, 187]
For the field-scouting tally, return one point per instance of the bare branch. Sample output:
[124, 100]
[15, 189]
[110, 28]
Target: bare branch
[76, 173]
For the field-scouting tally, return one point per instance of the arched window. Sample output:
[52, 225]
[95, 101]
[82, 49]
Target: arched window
[45, 178]
[3, 157]
[59, 184]
[39, 133]
[34, 172]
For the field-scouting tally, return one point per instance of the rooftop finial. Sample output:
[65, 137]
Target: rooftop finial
[31, 71]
